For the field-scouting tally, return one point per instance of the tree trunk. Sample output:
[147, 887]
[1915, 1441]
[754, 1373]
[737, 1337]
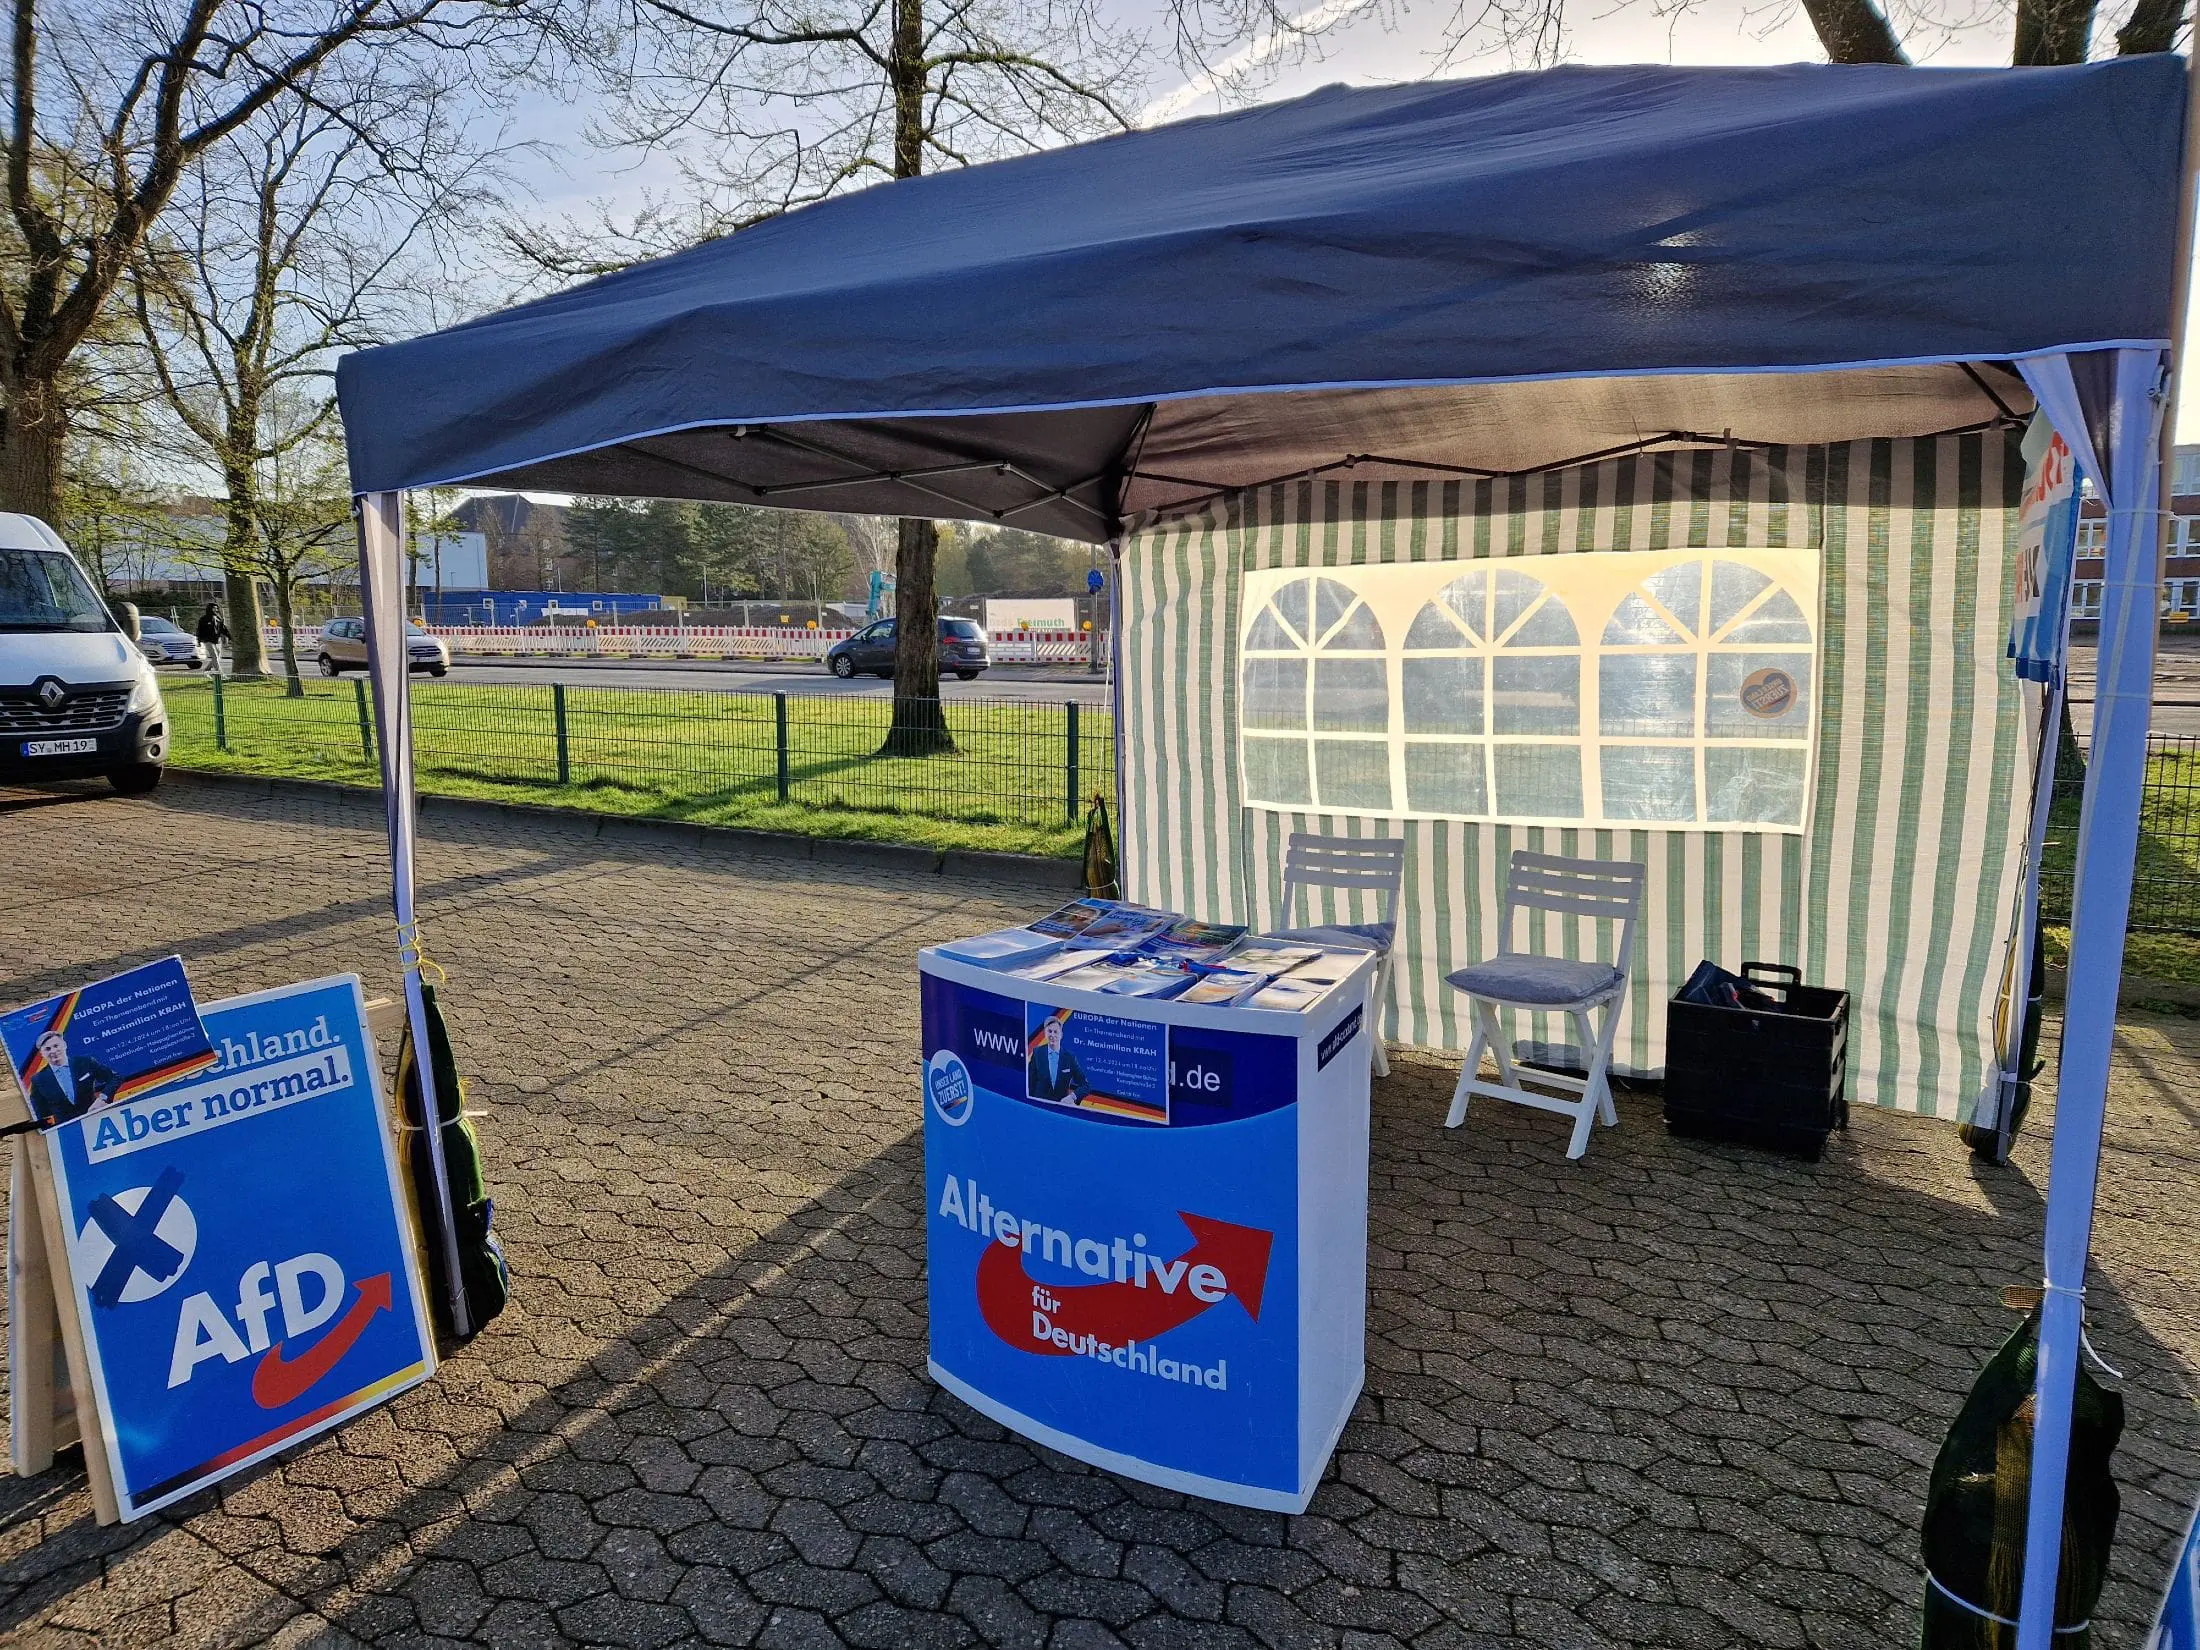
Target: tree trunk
[1853, 31]
[2152, 27]
[919, 727]
[240, 591]
[2052, 31]
[247, 647]
[31, 428]
[286, 615]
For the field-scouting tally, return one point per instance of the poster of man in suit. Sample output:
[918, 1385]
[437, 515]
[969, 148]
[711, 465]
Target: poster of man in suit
[105, 1043]
[1052, 1072]
[63, 1087]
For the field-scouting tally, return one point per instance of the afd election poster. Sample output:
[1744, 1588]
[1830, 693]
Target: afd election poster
[242, 1263]
[106, 1042]
[1128, 1286]
[2047, 547]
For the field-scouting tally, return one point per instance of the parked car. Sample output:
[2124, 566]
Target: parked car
[167, 644]
[344, 647]
[964, 650]
[78, 700]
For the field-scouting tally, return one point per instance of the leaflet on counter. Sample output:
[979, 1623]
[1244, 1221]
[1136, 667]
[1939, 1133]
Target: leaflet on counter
[1003, 948]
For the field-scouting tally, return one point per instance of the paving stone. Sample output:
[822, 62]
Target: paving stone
[1677, 1395]
[997, 1614]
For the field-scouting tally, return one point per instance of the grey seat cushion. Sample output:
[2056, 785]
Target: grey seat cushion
[1347, 936]
[1519, 977]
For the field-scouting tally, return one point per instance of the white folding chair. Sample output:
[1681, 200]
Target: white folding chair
[1350, 862]
[1604, 889]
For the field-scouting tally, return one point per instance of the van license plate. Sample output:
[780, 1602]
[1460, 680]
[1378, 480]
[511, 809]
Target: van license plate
[60, 747]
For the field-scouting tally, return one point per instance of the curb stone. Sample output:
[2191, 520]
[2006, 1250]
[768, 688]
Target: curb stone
[898, 856]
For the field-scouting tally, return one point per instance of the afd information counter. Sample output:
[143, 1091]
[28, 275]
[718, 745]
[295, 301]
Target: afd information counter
[1147, 1225]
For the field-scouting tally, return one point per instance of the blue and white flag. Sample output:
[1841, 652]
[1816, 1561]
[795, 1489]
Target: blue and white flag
[2047, 548]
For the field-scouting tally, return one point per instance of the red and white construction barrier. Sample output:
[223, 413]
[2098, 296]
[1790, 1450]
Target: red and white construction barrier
[1016, 647]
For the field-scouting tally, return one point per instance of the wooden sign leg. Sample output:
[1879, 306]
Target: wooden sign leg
[34, 1326]
[62, 1288]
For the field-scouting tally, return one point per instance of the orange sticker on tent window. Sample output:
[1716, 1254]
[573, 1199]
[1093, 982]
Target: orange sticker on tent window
[1768, 693]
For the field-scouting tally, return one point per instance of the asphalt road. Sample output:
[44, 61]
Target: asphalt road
[2176, 685]
[1031, 684]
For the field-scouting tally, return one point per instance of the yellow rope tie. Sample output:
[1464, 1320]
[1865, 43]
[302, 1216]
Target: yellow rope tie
[412, 955]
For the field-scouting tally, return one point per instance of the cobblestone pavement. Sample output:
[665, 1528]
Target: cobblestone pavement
[1675, 1395]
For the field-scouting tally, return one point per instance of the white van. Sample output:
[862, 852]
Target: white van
[77, 698]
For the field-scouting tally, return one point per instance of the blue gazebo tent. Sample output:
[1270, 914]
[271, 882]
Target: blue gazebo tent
[1404, 323]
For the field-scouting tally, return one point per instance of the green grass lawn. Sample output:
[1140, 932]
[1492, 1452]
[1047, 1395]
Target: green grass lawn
[711, 758]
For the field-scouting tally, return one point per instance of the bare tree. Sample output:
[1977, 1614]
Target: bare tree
[299, 525]
[770, 104]
[139, 91]
[305, 231]
[1208, 33]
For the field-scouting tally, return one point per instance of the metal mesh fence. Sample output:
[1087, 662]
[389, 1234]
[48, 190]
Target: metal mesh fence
[689, 753]
[2165, 887]
[700, 754]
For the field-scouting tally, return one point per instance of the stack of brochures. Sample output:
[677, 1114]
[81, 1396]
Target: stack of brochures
[1189, 940]
[1272, 956]
[1223, 986]
[1072, 919]
[1298, 975]
[1113, 971]
[1004, 948]
[1067, 961]
[1130, 950]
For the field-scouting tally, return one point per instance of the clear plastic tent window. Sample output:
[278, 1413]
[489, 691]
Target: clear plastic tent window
[1623, 689]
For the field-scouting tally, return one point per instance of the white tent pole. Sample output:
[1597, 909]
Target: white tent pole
[2144, 426]
[2108, 841]
[382, 596]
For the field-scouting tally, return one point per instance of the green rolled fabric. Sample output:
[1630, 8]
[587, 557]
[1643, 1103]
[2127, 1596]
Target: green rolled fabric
[1976, 1503]
[1102, 878]
[483, 1272]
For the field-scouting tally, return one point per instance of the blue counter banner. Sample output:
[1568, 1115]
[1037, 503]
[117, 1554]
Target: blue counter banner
[243, 1267]
[106, 1042]
[1134, 1287]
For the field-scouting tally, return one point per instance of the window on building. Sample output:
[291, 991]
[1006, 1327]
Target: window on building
[1660, 688]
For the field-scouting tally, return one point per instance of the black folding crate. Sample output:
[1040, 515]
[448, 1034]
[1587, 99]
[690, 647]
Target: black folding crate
[1764, 1076]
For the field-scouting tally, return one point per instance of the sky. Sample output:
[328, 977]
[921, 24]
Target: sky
[571, 177]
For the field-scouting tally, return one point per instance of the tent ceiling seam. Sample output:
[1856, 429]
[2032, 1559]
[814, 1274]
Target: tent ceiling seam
[1987, 390]
[867, 476]
[1677, 440]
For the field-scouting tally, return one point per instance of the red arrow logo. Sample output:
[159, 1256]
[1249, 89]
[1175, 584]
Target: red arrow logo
[1119, 1313]
[277, 1381]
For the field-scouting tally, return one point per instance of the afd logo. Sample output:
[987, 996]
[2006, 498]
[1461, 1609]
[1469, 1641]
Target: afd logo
[309, 1292]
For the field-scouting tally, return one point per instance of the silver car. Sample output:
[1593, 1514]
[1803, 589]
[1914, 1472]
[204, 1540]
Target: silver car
[344, 647]
[163, 643]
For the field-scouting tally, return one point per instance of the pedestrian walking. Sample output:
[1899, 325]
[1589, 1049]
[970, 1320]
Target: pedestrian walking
[212, 632]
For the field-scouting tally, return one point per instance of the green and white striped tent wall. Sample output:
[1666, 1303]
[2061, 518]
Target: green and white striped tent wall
[1900, 888]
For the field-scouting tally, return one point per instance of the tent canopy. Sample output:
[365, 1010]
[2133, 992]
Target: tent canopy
[1480, 276]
